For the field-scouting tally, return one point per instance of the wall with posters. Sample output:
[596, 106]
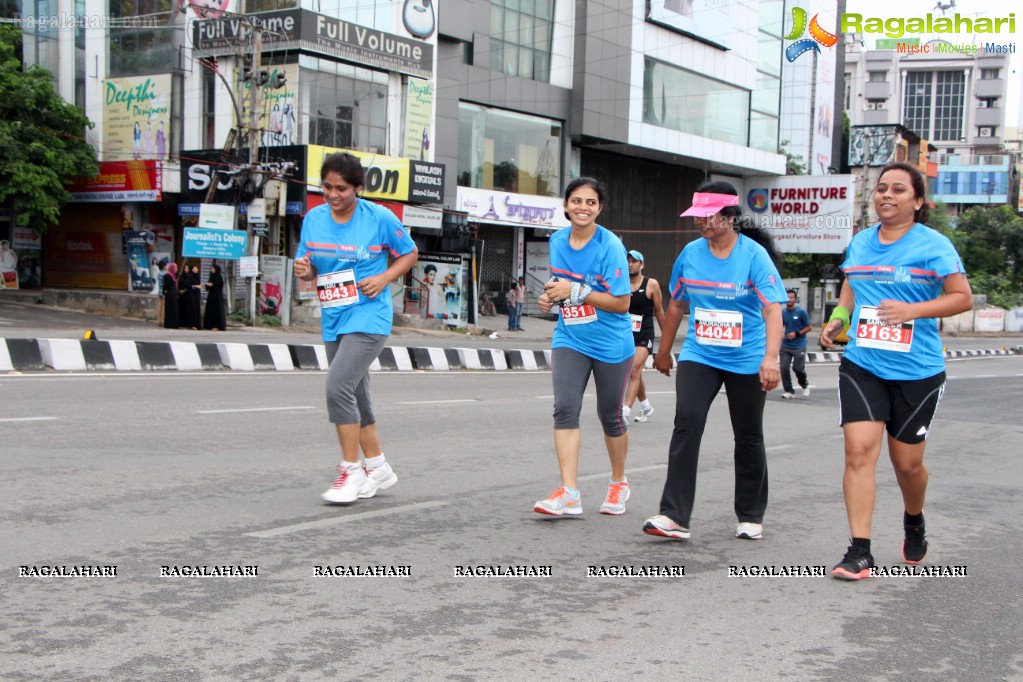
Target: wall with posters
[136, 118]
[445, 277]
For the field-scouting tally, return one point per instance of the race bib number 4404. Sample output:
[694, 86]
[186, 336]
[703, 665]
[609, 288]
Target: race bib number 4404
[337, 289]
[871, 332]
[718, 327]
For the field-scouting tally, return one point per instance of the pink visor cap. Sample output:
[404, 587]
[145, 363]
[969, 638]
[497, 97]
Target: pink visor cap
[706, 204]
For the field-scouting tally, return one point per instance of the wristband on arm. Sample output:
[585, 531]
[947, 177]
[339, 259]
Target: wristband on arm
[840, 313]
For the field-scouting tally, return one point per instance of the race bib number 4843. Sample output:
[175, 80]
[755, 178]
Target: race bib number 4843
[337, 289]
[718, 327]
[871, 332]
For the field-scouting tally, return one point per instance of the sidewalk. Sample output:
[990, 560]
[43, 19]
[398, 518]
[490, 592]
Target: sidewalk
[37, 337]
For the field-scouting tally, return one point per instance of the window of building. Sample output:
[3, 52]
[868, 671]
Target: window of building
[342, 105]
[142, 42]
[765, 100]
[989, 74]
[686, 101]
[269, 5]
[209, 103]
[508, 151]
[933, 104]
[877, 76]
[848, 91]
[521, 34]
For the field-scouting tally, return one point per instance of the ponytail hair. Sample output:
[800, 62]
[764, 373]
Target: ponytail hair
[744, 225]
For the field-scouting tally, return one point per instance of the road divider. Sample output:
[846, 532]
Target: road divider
[74, 355]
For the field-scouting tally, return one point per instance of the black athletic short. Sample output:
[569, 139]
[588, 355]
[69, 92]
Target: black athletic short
[906, 407]
[644, 341]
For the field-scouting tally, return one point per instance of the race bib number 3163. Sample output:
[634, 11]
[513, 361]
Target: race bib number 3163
[718, 327]
[871, 332]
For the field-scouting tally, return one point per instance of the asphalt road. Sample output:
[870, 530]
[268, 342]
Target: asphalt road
[156, 470]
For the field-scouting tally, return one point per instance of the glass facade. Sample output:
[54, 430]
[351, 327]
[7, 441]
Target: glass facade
[691, 103]
[933, 104]
[508, 151]
[342, 105]
[521, 34]
[765, 104]
[141, 43]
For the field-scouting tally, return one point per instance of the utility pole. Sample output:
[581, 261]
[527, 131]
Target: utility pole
[255, 87]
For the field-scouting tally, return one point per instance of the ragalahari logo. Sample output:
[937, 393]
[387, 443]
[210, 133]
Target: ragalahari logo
[817, 35]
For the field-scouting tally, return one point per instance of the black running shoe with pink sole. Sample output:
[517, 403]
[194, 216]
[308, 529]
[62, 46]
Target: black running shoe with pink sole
[914, 547]
[855, 565]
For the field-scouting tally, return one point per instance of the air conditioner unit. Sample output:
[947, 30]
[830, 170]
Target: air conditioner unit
[986, 131]
[982, 104]
[882, 105]
[870, 106]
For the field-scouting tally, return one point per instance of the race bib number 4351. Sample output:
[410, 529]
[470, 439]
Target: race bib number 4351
[718, 327]
[337, 289]
[871, 332]
[578, 314]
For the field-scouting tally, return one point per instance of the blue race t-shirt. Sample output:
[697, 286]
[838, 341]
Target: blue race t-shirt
[912, 269]
[726, 299]
[795, 320]
[602, 264]
[347, 253]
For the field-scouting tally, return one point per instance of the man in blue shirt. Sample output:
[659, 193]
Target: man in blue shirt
[793, 346]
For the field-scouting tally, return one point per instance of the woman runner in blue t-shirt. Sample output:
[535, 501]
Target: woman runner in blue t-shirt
[590, 286]
[345, 247]
[892, 374]
[729, 283]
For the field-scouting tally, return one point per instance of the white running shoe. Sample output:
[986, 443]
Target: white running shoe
[560, 503]
[665, 527]
[644, 413]
[806, 392]
[617, 496]
[345, 489]
[750, 531]
[381, 478]
[788, 396]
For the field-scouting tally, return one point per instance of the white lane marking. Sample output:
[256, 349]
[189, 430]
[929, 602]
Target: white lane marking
[986, 376]
[337, 520]
[438, 402]
[30, 419]
[257, 409]
[778, 447]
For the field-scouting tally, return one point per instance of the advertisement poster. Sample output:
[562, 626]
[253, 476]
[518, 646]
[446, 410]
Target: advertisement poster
[418, 116]
[273, 276]
[140, 275]
[136, 118]
[8, 266]
[278, 111]
[27, 246]
[445, 286]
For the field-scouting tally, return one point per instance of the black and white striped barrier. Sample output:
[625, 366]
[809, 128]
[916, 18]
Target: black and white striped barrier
[128, 356]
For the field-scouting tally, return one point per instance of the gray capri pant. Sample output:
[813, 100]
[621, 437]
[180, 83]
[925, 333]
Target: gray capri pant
[350, 356]
[570, 372]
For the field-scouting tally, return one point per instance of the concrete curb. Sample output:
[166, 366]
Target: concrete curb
[72, 355]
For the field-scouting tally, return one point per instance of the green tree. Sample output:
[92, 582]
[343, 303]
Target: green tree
[990, 241]
[42, 143]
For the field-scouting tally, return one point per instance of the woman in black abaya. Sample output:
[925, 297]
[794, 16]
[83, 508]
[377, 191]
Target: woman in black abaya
[215, 317]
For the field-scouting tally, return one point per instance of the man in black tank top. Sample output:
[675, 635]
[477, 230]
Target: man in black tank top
[645, 306]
